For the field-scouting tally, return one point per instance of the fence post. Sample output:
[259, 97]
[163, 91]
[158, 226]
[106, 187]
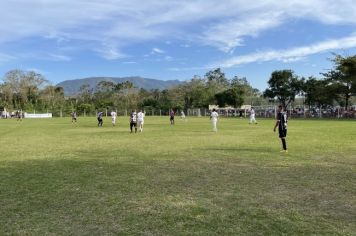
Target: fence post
[60, 112]
[84, 113]
[160, 112]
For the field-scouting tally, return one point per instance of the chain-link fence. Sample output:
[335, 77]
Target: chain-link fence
[296, 112]
[260, 111]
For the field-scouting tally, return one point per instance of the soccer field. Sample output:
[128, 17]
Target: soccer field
[59, 178]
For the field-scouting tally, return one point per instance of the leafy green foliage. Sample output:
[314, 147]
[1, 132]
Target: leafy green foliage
[343, 77]
[283, 85]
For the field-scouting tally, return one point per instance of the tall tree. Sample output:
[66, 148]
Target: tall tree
[232, 97]
[216, 82]
[24, 87]
[85, 94]
[318, 92]
[343, 76]
[284, 86]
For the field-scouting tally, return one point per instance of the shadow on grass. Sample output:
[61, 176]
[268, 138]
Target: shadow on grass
[240, 149]
[137, 196]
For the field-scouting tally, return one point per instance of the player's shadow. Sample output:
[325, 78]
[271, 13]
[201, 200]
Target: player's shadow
[239, 149]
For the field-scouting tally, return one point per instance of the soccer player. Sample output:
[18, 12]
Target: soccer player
[19, 115]
[113, 118]
[140, 120]
[171, 119]
[182, 115]
[133, 121]
[214, 119]
[99, 116]
[240, 114]
[281, 123]
[252, 116]
[74, 116]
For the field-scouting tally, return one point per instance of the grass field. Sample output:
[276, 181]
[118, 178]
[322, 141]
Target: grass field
[59, 178]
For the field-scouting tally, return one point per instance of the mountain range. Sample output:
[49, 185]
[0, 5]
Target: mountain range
[71, 87]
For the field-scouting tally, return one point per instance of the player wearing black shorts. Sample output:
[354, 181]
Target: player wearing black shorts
[74, 116]
[281, 123]
[100, 118]
[171, 118]
[133, 121]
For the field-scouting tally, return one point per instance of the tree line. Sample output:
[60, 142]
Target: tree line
[30, 91]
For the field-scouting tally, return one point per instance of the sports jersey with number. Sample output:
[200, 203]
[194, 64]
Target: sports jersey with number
[282, 118]
[133, 117]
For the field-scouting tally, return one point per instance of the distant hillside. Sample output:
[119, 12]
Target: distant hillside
[71, 87]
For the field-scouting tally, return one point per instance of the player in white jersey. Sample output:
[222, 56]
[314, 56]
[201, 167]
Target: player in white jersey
[214, 119]
[252, 116]
[113, 117]
[182, 115]
[140, 120]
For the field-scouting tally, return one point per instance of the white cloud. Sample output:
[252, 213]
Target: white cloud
[110, 51]
[157, 51]
[5, 57]
[37, 56]
[168, 58]
[292, 54]
[39, 71]
[224, 25]
[57, 57]
[230, 34]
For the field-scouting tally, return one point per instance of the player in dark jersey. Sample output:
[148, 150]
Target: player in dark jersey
[19, 115]
[133, 121]
[99, 116]
[171, 114]
[74, 116]
[281, 123]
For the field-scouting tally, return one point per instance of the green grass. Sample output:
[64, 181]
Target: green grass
[58, 178]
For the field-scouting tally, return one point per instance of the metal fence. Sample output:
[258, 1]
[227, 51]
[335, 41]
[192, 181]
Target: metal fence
[260, 111]
[298, 112]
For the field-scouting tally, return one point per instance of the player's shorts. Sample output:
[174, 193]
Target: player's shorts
[133, 124]
[172, 118]
[140, 122]
[282, 133]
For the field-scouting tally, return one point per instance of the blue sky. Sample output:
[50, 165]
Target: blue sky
[174, 39]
